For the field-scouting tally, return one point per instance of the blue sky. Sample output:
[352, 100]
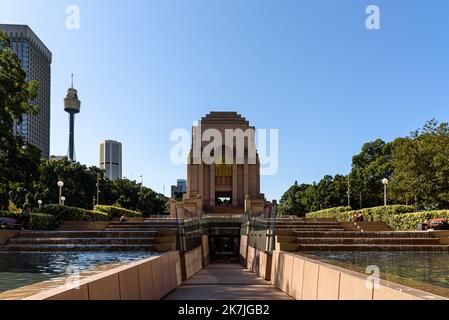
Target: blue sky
[308, 68]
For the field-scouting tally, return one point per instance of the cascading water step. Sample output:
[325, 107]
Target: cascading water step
[368, 241]
[81, 241]
[88, 234]
[367, 247]
[75, 248]
[356, 234]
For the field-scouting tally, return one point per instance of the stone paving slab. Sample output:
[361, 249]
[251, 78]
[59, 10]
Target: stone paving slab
[226, 281]
[227, 292]
[226, 276]
[224, 265]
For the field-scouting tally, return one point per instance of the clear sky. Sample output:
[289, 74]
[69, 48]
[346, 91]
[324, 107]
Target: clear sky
[308, 68]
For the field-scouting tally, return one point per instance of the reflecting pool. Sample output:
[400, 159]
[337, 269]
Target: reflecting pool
[21, 269]
[424, 270]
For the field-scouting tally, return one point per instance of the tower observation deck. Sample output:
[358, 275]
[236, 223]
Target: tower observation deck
[72, 106]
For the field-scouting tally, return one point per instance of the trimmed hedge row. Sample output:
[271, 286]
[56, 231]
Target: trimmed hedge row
[39, 221]
[410, 221]
[330, 213]
[117, 212]
[382, 213]
[63, 213]
[397, 217]
[370, 214]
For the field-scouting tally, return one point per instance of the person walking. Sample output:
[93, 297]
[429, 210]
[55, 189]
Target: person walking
[26, 216]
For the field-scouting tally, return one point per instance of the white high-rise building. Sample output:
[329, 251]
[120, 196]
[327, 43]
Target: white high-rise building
[111, 159]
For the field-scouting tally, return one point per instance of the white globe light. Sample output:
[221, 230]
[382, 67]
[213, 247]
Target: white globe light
[63, 198]
[60, 184]
[385, 181]
[39, 201]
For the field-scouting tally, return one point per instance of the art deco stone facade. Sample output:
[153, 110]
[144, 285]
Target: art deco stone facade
[235, 180]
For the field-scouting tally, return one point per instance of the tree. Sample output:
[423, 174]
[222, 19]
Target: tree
[290, 203]
[15, 96]
[421, 166]
[369, 167]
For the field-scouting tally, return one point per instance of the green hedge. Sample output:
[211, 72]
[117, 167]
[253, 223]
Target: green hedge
[410, 221]
[381, 214]
[117, 212]
[39, 221]
[64, 213]
[370, 214]
[331, 213]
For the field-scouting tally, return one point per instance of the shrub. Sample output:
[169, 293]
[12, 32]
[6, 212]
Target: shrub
[331, 213]
[383, 213]
[39, 221]
[9, 214]
[116, 212]
[410, 221]
[63, 213]
[370, 214]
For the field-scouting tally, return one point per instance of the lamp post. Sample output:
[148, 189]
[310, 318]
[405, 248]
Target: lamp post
[98, 188]
[385, 183]
[60, 185]
[62, 200]
[39, 202]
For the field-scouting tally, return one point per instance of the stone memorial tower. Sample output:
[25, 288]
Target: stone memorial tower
[223, 171]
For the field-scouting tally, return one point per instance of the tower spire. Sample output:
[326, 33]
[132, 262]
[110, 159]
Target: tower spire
[72, 106]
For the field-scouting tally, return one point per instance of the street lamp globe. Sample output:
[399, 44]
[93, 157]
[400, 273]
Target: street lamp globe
[63, 198]
[60, 184]
[385, 181]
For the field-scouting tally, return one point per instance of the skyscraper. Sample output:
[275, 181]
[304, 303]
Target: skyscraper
[36, 61]
[178, 190]
[111, 159]
[72, 106]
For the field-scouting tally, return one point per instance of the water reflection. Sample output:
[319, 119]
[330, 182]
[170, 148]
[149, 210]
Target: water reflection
[20, 269]
[426, 267]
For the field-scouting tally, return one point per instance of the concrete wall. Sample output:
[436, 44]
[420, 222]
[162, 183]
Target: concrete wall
[259, 262]
[192, 262]
[243, 252]
[307, 279]
[5, 235]
[148, 279]
[205, 249]
[83, 225]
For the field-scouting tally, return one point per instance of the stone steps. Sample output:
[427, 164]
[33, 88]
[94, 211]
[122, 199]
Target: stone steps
[81, 241]
[88, 234]
[319, 229]
[367, 247]
[356, 234]
[368, 241]
[306, 225]
[143, 224]
[317, 223]
[75, 248]
[125, 229]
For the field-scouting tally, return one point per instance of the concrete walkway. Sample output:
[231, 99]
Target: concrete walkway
[226, 281]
